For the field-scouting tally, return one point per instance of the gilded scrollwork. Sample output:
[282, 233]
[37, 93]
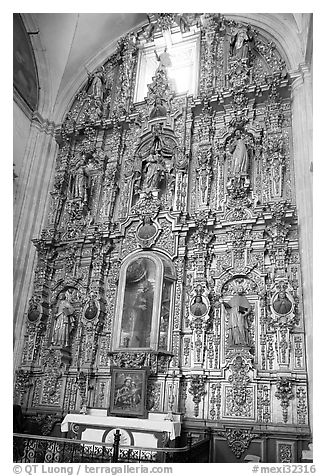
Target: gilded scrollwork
[302, 410]
[238, 440]
[205, 181]
[197, 390]
[284, 393]
[215, 401]
[22, 384]
[239, 397]
[154, 396]
[285, 452]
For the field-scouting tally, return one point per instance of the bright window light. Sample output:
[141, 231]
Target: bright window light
[182, 73]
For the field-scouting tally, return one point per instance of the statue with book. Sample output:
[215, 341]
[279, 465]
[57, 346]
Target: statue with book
[238, 309]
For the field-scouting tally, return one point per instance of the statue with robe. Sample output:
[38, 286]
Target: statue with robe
[96, 87]
[79, 180]
[63, 321]
[241, 43]
[238, 309]
[240, 158]
[154, 172]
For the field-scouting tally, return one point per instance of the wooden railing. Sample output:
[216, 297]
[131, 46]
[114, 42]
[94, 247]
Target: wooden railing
[42, 449]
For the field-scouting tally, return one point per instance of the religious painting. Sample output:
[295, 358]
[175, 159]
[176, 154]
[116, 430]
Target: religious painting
[282, 304]
[128, 392]
[91, 310]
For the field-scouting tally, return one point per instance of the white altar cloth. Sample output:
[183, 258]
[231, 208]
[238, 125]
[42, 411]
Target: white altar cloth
[160, 425]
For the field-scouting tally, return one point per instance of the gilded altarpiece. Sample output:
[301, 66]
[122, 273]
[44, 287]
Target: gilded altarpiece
[177, 212]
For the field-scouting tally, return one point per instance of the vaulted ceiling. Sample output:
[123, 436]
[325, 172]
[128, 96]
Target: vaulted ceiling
[71, 43]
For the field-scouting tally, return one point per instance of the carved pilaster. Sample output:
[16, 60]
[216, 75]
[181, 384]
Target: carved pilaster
[215, 401]
[208, 40]
[22, 384]
[302, 411]
[264, 403]
[113, 275]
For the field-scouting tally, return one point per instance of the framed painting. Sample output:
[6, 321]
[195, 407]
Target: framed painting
[128, 392]
[91, 310]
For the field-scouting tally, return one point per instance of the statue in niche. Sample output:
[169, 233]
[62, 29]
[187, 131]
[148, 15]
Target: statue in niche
[139, 316]
[63, 321]
[198, 308]
[240, 43]
[282, 305]
[240, 158]
[204, 172]
[79, 180]
[96, 87]
[136, 172]
[154, 171]
[156, 145]
[138, 304]
[238, 309]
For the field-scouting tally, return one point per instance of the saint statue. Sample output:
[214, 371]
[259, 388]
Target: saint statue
[141, 314]
[138, 304]
[154, 172]
[78, 180]
[240, 160]
[96, 87]
[238, 327]
[163, 59]
[240, 43]
[63, 320]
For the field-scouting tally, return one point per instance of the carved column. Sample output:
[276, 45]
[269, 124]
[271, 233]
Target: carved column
[110, 182]
[30, 215]
[302, 145]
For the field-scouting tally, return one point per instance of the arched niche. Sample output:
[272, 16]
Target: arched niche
[144, 303]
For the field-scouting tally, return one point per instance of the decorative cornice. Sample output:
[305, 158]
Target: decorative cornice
[300, 75]
[44, 125]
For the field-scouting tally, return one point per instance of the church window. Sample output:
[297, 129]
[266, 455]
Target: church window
[180, 60]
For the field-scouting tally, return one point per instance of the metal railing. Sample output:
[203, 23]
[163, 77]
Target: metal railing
[42, 449]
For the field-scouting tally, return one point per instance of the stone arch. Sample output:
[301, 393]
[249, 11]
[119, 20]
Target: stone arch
[46, 93]
[270, 25]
